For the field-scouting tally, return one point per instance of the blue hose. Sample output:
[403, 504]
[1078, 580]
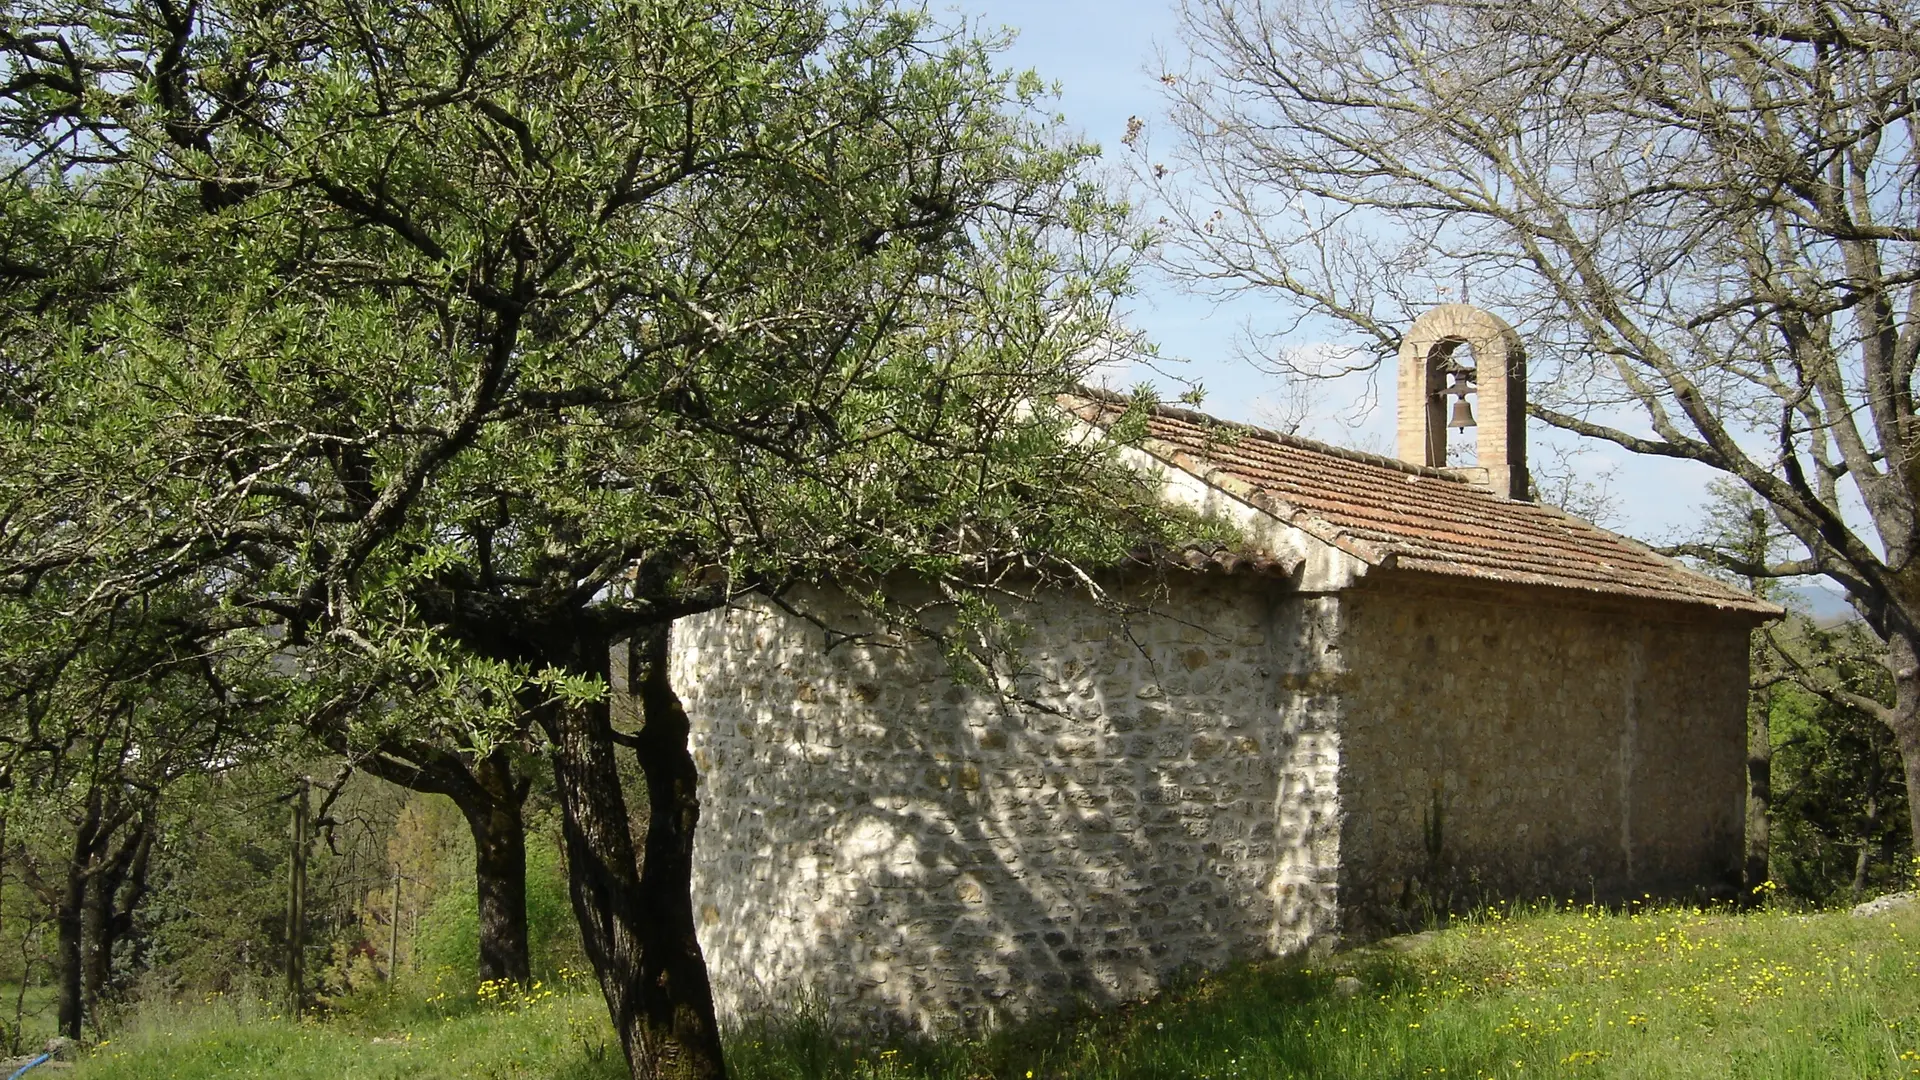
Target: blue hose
[17, 1073]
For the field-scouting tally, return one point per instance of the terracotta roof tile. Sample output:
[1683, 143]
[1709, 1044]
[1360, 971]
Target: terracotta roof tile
[1408, 517]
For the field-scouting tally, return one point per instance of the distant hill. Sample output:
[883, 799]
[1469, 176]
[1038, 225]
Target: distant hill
[1822, 601]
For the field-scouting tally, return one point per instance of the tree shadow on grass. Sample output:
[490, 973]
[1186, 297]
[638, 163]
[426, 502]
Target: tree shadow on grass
[1271, 1018]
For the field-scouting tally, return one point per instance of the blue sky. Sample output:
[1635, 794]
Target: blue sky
[1103, 56]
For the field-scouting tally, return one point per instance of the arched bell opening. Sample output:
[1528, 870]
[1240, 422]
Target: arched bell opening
[1463, 381]
[1452, 388]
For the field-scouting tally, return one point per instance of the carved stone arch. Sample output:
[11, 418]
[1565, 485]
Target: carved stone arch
[1500, 387]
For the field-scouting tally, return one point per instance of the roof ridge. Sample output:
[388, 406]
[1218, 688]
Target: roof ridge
[1300, 442]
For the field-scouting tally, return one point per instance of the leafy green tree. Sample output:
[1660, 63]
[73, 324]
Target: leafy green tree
[1840, 793]
[1826, 800]
[97, 725]
[450, 343]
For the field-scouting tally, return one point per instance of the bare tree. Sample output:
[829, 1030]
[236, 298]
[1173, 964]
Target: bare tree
[1704, 214]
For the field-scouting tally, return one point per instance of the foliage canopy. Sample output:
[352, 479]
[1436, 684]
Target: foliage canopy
[440, 345]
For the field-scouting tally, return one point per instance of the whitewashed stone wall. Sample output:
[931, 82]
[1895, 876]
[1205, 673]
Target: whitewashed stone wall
[917, 853]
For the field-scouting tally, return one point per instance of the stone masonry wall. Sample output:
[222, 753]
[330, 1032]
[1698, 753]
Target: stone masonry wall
[1502, 745]
[917, 853]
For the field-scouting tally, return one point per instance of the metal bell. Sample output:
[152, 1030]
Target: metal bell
[1462, 415]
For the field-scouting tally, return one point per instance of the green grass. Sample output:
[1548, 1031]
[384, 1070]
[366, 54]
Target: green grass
[35, 1021]
[1583, 993]
[562, 1035]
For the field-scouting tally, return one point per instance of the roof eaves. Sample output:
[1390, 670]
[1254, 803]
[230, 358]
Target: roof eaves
[1754, 610]
[1731, 597]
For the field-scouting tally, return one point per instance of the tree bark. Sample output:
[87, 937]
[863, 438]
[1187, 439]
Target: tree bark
[680, 997]
[1903, 660]
[393, 929]
[70, 918]
[1759, 795]
[118, 887]
[68, 923]
[133, 892]
[1908, 739]
[500, 870]
[96, 959]
[1863, 861]
[637, 924]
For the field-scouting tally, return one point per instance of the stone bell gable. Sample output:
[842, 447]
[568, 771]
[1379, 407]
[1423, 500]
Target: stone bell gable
[1406, 688]
[1434, 367]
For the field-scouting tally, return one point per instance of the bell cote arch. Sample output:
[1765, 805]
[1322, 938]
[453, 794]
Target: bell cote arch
[1458, 351]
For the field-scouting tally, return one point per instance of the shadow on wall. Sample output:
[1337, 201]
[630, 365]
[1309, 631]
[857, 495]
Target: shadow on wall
[919, 854]
[1502, 749]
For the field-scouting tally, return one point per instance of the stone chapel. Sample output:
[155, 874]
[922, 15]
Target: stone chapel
[1411, 686]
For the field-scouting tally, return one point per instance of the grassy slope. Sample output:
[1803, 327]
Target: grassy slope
[1576, 994]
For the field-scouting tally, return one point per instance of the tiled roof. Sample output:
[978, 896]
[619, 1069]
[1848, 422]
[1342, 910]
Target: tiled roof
[1391, 514]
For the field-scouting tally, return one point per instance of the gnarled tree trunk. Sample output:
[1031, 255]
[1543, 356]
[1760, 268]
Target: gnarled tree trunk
[637, 924]
[500, 869]
[70, 916]
[118, 887]
[68, 920]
